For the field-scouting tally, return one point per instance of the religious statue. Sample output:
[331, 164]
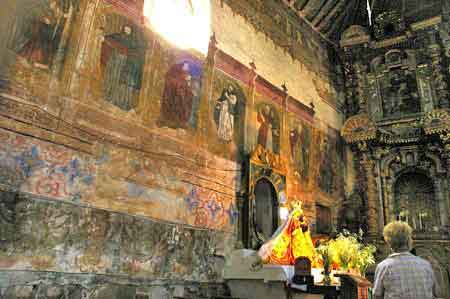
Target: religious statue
[291, 241]
[122, 59]
[225, 113]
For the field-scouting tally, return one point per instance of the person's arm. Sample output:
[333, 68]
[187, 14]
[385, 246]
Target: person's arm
[436, 288]
[378, 285]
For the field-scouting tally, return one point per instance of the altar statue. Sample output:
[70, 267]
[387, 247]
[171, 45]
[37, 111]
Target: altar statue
[291, 241]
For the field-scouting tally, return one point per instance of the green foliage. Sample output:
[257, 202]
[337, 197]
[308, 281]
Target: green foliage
[348, 251]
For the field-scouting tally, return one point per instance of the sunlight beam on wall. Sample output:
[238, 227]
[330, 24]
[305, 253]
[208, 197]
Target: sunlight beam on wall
[184, 23]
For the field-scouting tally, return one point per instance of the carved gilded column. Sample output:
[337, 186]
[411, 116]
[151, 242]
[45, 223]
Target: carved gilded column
[438, 76]
[350, 82]
[361, 71]
[445, 200]
[368, 166]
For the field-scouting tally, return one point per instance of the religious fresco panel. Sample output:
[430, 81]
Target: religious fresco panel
[331, 164]
[121, 58]
[227, 116]
[267, 124]
[38, 34]
[300, 142]
[181, 87]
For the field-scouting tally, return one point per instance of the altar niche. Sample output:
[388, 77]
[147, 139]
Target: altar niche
[265, 209]
[267, 193]
[415, 202]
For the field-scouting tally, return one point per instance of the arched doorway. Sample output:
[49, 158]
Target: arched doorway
[415, 202]
[265, 209]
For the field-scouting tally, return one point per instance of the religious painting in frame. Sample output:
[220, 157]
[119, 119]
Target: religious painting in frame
[267, 116]
[300, 143]
[36, 31]
[331, 164]
[181, 91]
[227, 108]
[122, 58]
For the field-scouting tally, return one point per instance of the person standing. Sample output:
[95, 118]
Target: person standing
[402, 275]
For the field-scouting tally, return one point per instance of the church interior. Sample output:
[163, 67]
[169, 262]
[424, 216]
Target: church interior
[212, 149]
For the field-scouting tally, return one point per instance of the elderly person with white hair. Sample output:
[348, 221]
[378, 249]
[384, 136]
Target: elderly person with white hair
[402, 275]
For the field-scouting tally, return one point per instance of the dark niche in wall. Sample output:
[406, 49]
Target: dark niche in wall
[415, 201]
[266, 209]
[323, 220]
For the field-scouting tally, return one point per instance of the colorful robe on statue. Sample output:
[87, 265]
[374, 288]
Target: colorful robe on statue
[289, 242]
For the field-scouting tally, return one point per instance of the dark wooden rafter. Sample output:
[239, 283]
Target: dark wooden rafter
[324, 12]
[339, 24]
[332, 17]
[341, 20]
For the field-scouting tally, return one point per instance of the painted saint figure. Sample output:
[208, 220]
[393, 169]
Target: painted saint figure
[225, 112]
[300, 140]
[36, 32]
[266, 131]
[122, 59]
[38, 49]
[178, 97]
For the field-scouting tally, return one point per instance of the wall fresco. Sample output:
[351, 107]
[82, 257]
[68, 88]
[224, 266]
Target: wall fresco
[181, 95]
[154, 138]
[300, 141]
[42, 168]
[331, 166]
[122, 58]
[268, 122]
[35, 34]
[165, 189]
[227, 116]
[55, 236]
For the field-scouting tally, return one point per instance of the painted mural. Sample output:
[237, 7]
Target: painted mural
[181, 94]
[122, 59]
[268, 124]
[36, 32]
[300, 141]
[56, 236]
[165, 189]
[45, 169]
[331, 164]
[227, 115]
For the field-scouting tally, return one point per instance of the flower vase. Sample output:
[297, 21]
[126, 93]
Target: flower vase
[326, 276]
